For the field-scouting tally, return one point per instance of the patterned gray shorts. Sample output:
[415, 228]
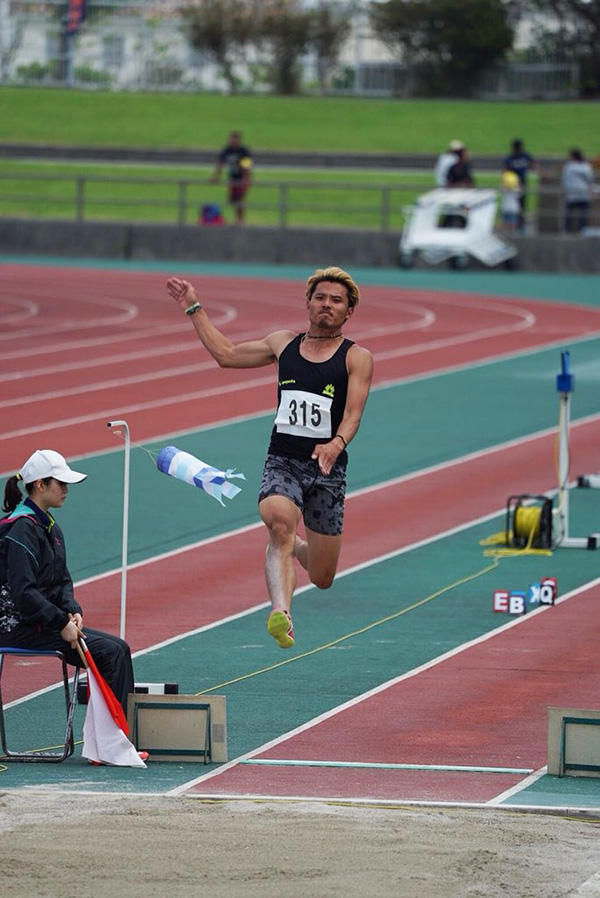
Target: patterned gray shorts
[320, 498]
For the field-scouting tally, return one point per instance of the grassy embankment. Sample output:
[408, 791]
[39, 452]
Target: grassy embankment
[48, 116]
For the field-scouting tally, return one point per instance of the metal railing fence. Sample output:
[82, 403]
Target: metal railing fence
[283, 204]
[87, 197]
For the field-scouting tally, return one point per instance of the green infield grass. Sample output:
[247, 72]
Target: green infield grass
[172, 194]
[102, 118]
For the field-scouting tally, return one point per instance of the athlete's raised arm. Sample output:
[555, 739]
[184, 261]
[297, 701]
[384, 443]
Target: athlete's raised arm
[250, 354]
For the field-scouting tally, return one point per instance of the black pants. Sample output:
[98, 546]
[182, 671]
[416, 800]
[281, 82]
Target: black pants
[576, 215]
[111, 654]
[522, 205]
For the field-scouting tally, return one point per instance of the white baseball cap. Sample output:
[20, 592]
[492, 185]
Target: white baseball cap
[456, 145]
[47, 463]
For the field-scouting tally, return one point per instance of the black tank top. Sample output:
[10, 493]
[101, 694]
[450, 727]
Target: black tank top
[311, 398]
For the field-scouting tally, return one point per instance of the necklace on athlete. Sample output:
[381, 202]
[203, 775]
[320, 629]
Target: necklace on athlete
[321, 336]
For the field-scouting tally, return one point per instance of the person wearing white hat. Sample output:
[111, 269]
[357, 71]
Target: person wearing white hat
[38, 609]
[48, 463]
[446, 160]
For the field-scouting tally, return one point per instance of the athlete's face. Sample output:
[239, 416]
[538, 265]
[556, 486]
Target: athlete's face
[328, 307]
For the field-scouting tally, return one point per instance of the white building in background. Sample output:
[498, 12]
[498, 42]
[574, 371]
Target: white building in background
[137, 45]
[121, 44]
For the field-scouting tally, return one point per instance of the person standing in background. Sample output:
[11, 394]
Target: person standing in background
[459, 174]
[578, 186]
[521, 163]
[510, 200]
[446, 160]
[237, 158]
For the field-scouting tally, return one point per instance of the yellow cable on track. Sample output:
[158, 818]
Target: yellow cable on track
[377, 623]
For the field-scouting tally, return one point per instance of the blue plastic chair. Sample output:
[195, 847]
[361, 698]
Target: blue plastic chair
[70, 702]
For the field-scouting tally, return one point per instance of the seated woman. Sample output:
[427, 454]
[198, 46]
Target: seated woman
[38, 609]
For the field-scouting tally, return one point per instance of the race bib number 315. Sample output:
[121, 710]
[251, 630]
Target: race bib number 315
[304, 414]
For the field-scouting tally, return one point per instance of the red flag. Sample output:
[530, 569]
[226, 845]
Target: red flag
[105, 727]
[114, 705]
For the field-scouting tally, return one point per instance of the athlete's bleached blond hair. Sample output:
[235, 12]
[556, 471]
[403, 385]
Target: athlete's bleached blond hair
[338, 276]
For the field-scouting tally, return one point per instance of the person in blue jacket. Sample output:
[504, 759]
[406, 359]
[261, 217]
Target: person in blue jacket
[38, 609]
[521, 163]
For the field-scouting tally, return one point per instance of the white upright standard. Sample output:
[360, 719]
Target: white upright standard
[565, 384]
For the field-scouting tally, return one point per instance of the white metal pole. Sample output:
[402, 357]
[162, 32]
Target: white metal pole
[565, 384]
[124, 425]
[564, 418]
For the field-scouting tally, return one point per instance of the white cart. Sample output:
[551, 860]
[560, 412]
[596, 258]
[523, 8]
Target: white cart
[449, 225]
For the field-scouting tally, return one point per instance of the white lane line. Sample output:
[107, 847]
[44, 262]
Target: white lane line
[315, 721]
[327, 715]
[266, 604]
[127, 312]
[152, 331]
[105, 385]
[221, 314]
[184, 345]
[375, 765]
[526, 320]
[120, 411]
[458, 340]
[26, 309]
[362, 491]
[346, 572]
[144, 377]
[248, 384]
[426, 318]
[514, 790]
[105, 360]
[255, 608]
[490, 360]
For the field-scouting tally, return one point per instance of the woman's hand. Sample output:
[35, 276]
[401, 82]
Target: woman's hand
[71, 633]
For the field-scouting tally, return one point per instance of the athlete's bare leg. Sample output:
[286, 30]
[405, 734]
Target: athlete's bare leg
[301, 551]
[281, 517]
[322, 555]
[318, 554]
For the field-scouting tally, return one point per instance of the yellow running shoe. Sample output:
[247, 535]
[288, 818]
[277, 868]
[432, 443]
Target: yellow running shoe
[279, 625]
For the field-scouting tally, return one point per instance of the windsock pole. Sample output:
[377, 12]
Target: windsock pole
[124, 426]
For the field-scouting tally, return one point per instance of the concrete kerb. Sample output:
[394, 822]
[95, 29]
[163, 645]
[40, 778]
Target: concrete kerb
[378, 249]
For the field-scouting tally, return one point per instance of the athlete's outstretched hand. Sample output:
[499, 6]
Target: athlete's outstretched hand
[182, 292]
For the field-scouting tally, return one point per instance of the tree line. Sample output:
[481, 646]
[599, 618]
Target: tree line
[279, 31]
[449, 42]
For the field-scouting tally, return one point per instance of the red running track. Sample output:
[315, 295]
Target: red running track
[80, 347]
[415, 332]
[447, 497]
[486, 707]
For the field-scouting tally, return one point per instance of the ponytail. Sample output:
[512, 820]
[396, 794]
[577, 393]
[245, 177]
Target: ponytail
[12, 494]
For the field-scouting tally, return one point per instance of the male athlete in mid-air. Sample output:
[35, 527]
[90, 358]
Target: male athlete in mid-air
[323, 385]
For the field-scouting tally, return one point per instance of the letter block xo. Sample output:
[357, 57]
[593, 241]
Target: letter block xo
[519, 601]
